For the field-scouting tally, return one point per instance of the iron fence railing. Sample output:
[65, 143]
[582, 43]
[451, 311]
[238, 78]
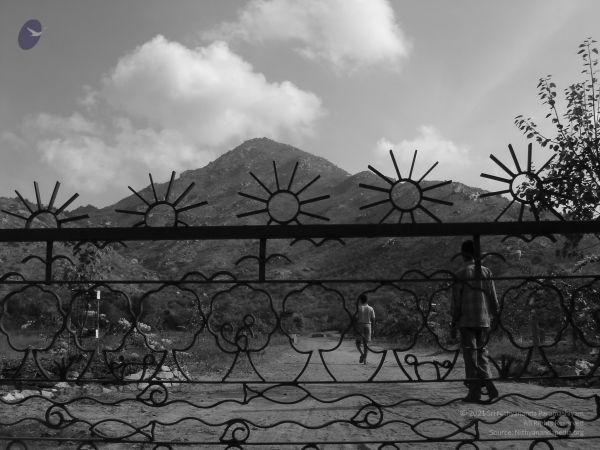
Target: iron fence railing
[221, 360]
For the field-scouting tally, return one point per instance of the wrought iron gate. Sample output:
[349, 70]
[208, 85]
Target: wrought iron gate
[260, 358]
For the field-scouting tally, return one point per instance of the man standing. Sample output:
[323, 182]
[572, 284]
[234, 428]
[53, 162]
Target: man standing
[365, 317]
[474, 310]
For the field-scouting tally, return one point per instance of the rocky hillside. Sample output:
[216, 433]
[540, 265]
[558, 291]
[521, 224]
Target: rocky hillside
[219, 184]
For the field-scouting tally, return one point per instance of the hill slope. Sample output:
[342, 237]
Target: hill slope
[273, 164]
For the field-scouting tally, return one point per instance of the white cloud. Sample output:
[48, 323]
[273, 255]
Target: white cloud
[166, 107]
[349, 34]
[455, 161]
[93, 159]
[208, 94]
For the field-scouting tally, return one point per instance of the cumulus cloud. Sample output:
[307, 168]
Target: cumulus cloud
[94, 159]
[208, 94]
[349, 34]
[455, 161]
[167, 107]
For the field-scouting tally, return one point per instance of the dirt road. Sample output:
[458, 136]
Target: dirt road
[354, 413]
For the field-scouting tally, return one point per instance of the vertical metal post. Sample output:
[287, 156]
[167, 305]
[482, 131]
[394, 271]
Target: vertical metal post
[262, 259]
[98, 322]
[49, 245]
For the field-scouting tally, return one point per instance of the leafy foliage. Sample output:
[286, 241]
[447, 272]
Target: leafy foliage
[90, 264]
[573, 178]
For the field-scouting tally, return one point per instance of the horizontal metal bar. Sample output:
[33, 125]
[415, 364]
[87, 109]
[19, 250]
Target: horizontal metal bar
[540, 278]
[118, 382]
[290, 443]
[299, 231]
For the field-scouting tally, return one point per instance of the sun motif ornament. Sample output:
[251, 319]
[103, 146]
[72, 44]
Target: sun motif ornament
[524, 185]
[283, 204]
[405, 195]
[162, 213]
[46, 216]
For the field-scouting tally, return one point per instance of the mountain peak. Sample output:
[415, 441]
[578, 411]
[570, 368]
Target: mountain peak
[261, 141]
[258, 155]
[261, 167]
[263, 147]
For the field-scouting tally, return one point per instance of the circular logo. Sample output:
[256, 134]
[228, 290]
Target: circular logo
[30, 34]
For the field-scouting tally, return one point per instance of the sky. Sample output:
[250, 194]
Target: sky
[114, 90]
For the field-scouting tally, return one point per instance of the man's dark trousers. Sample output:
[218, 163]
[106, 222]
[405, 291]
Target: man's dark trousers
[477, 367]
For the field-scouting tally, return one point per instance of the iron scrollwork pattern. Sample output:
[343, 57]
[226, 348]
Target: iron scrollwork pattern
[244, 347]
[235, 361]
